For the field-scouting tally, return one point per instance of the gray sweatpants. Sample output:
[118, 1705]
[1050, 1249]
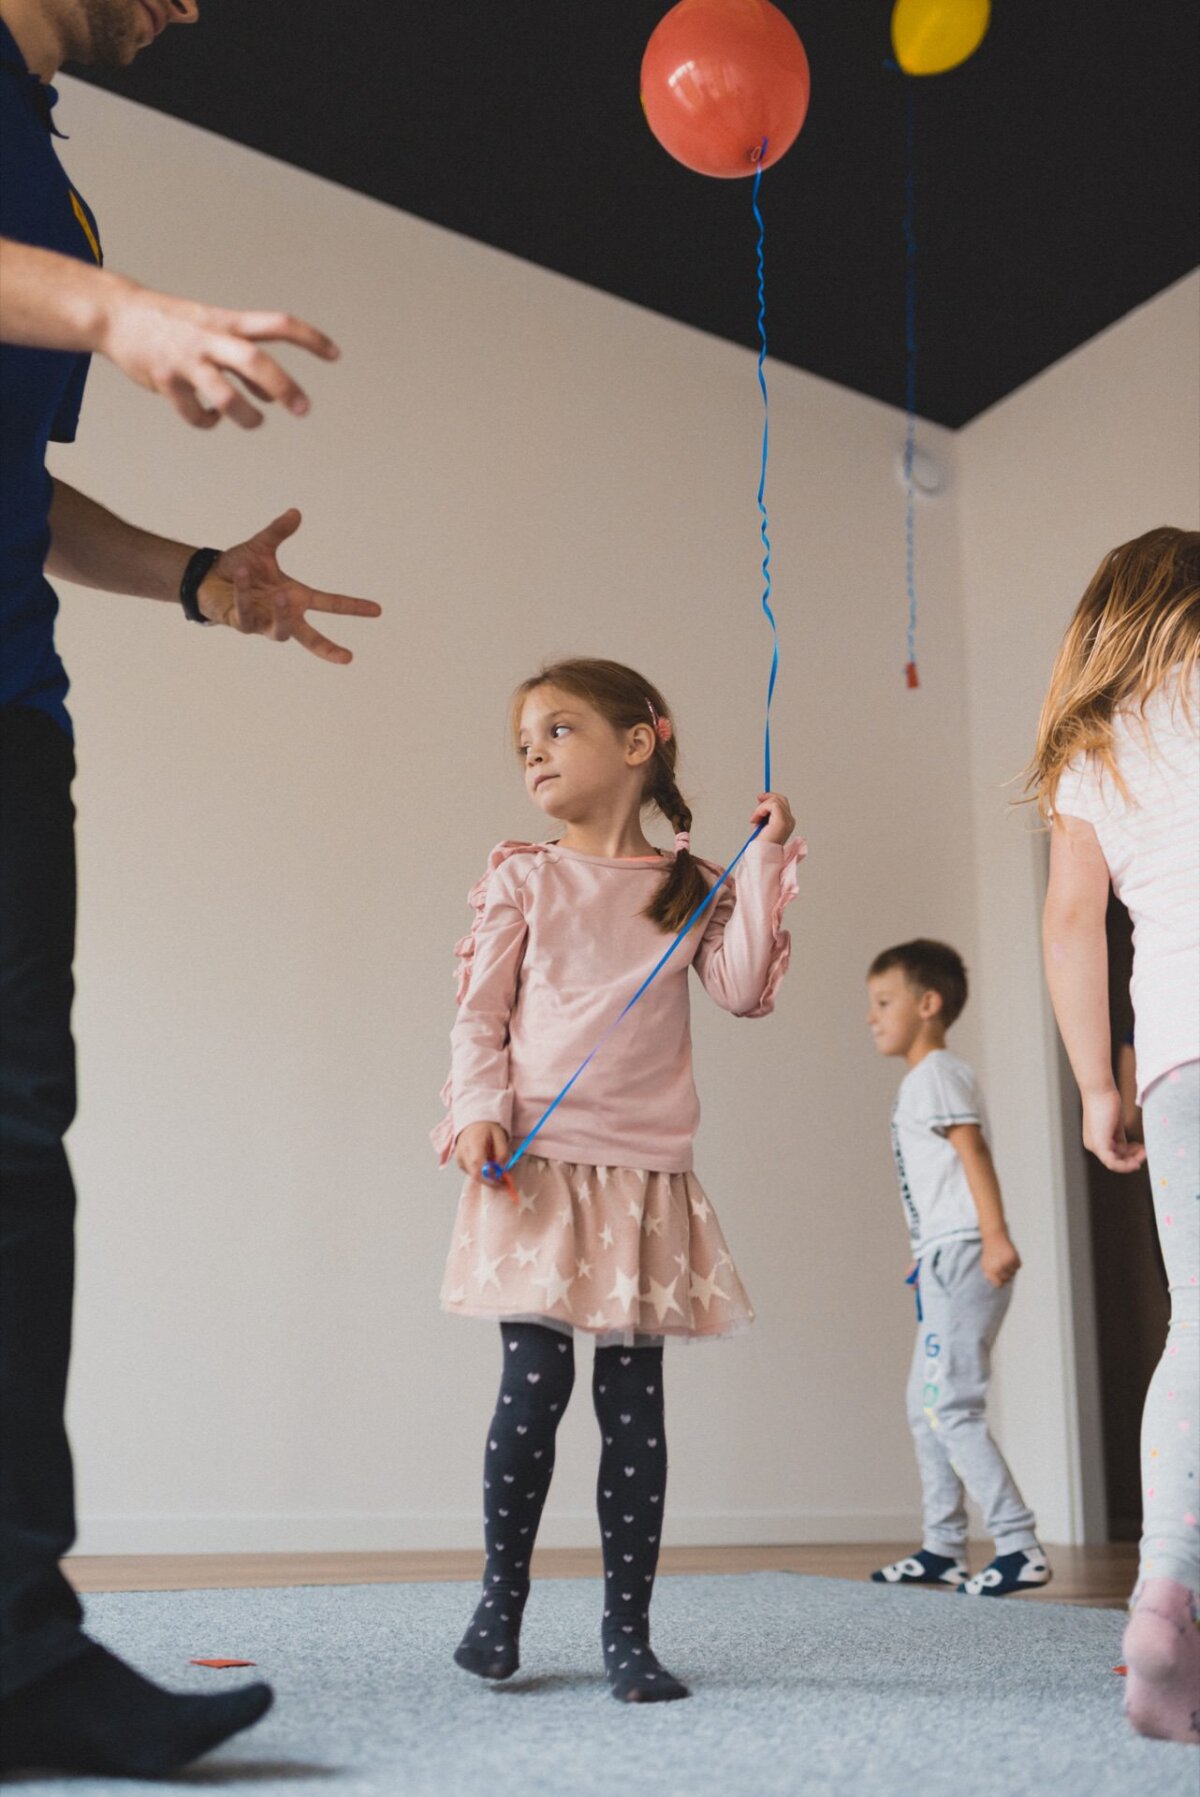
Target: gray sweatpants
[1171, 1419]
[947, 1397]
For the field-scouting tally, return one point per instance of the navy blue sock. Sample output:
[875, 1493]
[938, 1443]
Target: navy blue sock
[923, 1568]
[1023, 1570]
[535, 1386]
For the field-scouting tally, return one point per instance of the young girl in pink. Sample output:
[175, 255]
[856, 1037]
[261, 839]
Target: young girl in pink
[1117, 769]
[604, 1227]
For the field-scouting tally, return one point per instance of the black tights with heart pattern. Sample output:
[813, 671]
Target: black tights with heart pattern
[535, 1386]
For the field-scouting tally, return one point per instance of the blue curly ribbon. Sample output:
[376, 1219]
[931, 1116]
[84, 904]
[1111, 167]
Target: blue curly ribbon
[910, 374]
[493, 1172]
[762, 477]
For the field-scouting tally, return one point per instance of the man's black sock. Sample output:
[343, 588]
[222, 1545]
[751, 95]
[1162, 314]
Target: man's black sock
[535, 1387]
[96, 1714]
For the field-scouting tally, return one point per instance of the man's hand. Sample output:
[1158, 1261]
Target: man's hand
[194, 355]
[999, 1262]
[479, 1143]
[247, 589]
[1104, 1132]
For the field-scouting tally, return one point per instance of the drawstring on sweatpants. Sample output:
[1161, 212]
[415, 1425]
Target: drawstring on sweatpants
[914, 1279]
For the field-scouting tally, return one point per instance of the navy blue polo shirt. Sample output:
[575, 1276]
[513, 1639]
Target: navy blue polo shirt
[41, 390]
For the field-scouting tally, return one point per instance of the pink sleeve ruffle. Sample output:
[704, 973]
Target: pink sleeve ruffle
[794, 853]
[443, 1137]
[745, 951]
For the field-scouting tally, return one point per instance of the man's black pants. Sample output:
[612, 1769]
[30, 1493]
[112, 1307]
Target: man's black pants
[39, 1614]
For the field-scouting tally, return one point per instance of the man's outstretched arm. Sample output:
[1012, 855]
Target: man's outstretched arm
[194, 355]
[245, 587]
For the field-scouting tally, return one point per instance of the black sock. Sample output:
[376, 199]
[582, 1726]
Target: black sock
[535, 1386]
[628, 1395]
[96, 1714]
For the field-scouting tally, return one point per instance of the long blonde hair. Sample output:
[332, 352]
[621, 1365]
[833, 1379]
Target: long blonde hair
[1137, 623]
[626, 698]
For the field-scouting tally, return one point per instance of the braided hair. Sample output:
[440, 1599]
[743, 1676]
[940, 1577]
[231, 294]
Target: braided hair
[625, 699]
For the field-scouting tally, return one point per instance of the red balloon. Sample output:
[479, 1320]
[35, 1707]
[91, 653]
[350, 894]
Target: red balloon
[718, 77]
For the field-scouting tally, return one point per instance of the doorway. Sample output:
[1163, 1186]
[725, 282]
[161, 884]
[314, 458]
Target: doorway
[1130, 1288]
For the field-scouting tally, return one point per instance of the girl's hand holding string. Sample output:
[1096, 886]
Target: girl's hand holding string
[479, 1143]
[774, 809]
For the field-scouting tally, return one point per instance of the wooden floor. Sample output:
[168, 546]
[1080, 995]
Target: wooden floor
[1101, 1577]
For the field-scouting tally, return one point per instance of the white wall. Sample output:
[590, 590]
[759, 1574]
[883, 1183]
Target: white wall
[275, 856]
[1103, 446]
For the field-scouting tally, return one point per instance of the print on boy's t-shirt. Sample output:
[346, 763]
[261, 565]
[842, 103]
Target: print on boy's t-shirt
[936, 1094]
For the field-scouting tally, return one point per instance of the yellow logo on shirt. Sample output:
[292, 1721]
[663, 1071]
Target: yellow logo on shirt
[85, 222]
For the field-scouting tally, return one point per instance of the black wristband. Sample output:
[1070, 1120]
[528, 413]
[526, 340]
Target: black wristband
[189, 587]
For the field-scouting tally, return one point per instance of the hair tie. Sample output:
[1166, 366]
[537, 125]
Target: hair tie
[662, 726]
[683, 843]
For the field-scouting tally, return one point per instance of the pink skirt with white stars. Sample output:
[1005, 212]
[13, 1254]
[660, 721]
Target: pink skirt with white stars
[613, 1251]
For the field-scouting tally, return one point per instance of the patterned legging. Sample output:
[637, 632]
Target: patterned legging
[537, 1379]
[1171, 1420]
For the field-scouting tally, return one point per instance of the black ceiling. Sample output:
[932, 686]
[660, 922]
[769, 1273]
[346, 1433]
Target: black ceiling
[1058, 172]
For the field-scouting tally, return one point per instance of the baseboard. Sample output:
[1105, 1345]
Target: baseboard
[348, 1532]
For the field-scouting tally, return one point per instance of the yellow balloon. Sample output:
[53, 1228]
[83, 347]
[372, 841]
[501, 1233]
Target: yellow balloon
[931, 36]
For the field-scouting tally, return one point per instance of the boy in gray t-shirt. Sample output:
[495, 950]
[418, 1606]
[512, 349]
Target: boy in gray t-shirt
[964, 1264]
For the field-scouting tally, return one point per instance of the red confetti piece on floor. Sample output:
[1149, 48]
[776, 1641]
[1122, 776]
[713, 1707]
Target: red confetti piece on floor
[1122, 1670]
[222, 1663]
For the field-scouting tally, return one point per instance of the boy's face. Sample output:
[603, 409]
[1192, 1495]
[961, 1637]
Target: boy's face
[897, 1011]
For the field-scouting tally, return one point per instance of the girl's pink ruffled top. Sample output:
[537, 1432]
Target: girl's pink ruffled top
[558, 947]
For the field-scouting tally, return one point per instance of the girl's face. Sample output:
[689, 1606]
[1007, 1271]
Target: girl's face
[575, 762]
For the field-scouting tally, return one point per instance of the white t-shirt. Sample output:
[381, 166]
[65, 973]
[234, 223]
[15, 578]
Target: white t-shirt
[937, 1093]
[1151, 842]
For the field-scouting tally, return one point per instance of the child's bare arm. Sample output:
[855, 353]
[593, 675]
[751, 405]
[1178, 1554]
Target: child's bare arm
[1000, 1261]
[1076, 958]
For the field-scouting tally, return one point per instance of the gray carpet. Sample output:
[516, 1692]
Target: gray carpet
[801, 1685]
